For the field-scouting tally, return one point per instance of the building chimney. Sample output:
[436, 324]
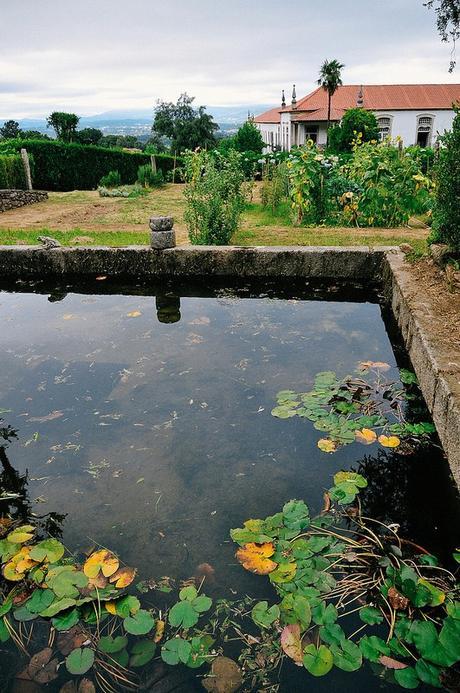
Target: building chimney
[294, 97]
[283, 100]
[360, 99]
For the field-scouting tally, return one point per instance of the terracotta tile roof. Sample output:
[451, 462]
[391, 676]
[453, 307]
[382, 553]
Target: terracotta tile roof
[377, 97]
[319, 114]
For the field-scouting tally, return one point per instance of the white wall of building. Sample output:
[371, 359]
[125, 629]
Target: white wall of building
[404, 124]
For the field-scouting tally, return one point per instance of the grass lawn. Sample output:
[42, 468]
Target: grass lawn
[84, 218]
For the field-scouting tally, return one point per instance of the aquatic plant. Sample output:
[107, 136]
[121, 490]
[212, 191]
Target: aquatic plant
[364, 407]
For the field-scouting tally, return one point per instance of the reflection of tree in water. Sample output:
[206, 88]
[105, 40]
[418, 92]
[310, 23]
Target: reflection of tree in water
[15, 502]
[414, 491]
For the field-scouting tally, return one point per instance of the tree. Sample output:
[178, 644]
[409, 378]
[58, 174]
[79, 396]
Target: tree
[33, 135]
[447, 22]
[446, 212]
[185, 126]
[64, 125]
[249, 139]
[88, 136]
[330, 79]
[10, 130]
[354, 121]
[120, 141]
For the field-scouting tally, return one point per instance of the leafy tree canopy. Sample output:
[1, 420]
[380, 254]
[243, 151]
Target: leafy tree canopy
[185, 126]
[249, 139]
[64, 125]
[122, 141]
[330, 76]
[447, 21]
[10, 130]
[88, 136]
[354, 121]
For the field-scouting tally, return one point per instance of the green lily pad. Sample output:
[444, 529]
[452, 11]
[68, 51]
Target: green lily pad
[318, 661]
[140, 623]
[141, 653]
[79, 661]
[263, 615]
[109, 645]
[176, 650]
[50, 550]
[40, 600]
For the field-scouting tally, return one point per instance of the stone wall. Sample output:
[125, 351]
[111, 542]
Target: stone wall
[10, 199]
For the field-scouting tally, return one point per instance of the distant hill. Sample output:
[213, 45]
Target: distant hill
[139, 122]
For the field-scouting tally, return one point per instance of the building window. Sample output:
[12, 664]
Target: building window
[311, 133]
[384, 126]
[424, 130]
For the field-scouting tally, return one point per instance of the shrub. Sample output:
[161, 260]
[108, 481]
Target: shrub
[12, 174]
[393, 187]
[354, 122]
[60, 166]
[149, 178]
[214, 196]
[275, 186]
[446, 213]
[130, 191]
[248, 139]
[111, 180]
[309, 170]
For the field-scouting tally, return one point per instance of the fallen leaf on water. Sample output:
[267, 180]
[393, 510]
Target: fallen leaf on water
[391, 663]
[68, 316]
[389, 441]
[225, 676]
[134, 314]
[366, 436]
[397, 600]
[291, 642]
[49, 417]
[101, 278]
[204, 571]
[104, 561]
[71, 639]
[379, 365]
[159, 630]
[327, 445]
[123, 577]
[255, 557]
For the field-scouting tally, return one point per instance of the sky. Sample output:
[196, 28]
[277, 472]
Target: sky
[92, 56]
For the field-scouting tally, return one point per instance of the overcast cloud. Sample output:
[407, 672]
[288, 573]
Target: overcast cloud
[90, 56]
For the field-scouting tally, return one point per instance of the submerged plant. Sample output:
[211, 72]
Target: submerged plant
[364, 407]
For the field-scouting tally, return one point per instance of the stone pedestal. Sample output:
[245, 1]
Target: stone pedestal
[162, 234]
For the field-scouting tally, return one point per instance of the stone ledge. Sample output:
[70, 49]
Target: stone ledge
[11, 199]
[436, 365]
[353, 263]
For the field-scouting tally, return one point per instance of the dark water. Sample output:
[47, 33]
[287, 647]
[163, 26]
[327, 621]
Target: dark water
[156, 437]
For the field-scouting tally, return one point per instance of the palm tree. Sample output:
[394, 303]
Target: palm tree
[330, 79]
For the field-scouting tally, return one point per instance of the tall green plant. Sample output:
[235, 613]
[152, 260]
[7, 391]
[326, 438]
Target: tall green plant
[330, 80]
[446, 213]
[214, 196]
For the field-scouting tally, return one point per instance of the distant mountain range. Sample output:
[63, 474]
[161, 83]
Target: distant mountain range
[139, 122]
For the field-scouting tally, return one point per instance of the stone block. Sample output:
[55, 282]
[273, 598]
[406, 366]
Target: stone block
[160, 240]
[161, 223]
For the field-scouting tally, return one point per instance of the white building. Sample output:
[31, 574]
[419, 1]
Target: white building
[415, 112]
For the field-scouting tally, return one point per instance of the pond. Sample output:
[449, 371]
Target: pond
[144, 417]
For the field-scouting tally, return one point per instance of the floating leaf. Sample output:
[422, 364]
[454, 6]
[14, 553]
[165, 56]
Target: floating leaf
[123, 577]
[101, 561]
[283, 412]
[370, 615]
[285, 572]
[4, 632]
[373, 647]
[347, 655]
[327, 445]
[318, 661]
[110, 645]
[159, 631]
[141, 653]
[66, 580]
[140, 623]
[391, 663]
[255, 558]
[50, 550]
[324, 615]
[183, 615]
[23, 614]
[291, 642]
[378, 365]
[365, 436]
[80, 660]
[40, 600]
[350, 477]
[134, 314]
[407, 677]
[438, 597]
[263, 615]
[42, 668]
[21, 534]
[58, 606]
[66, 620]
[397, 600]
[225, 676]
[389, 441]
[176, 650]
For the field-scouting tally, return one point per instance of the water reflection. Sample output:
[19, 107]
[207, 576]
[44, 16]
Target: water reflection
[168, 308]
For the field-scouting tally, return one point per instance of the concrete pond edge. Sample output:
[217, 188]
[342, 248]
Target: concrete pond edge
[436, 365]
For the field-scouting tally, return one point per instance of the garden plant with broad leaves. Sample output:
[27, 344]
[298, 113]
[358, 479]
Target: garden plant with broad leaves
[364, 407]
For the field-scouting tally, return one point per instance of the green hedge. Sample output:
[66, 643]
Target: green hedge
[446, 212]
[12, 174]
[60, 166]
